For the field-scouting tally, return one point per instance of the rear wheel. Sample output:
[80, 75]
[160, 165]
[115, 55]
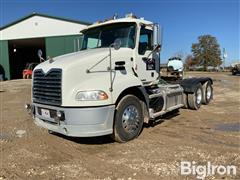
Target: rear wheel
[195, 99]
[185, 100]
[207, 92]
[128, 120]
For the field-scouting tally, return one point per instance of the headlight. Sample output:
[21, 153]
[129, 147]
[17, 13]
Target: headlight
[91, 96]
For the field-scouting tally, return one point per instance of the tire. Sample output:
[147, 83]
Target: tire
[207, 92]
[185, 101]
[128, 121]
[29, 76]
[195, 99]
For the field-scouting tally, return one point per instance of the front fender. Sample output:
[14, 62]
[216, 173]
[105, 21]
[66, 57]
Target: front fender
[122, 83]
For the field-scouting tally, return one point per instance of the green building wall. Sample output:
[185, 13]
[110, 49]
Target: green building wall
[4, 58]
[60, 45]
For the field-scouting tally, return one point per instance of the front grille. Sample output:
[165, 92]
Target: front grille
[47, 88]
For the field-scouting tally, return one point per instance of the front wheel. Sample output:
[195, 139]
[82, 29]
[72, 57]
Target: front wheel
[128, 120]
[195, 99]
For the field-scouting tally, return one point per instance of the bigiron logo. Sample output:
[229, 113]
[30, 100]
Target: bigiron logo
[202, 171]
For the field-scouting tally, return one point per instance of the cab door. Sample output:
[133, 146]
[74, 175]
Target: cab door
[147, 64]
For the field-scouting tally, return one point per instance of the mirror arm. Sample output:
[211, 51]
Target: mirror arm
[110, 67]
[116, 46]
[89, 69]
[42, 59]
[155, 49]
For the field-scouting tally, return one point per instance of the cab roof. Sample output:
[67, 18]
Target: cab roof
[120, 20]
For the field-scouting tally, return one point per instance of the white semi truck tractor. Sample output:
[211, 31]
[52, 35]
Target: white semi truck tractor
[112, 85]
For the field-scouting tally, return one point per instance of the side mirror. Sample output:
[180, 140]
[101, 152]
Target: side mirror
[117, 44]
[157, 36]
[40, 53]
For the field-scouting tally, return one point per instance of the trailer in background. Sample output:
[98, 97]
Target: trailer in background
[235, 68]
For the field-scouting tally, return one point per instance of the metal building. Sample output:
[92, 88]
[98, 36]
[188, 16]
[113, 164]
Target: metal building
[21, 40]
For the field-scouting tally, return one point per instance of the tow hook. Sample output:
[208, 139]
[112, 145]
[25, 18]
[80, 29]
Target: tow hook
[29, 108]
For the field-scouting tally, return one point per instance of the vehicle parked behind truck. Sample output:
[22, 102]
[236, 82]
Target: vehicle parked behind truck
[175, 66]
[27, 72]
[235, 68]
[112, 86]
[173, 70]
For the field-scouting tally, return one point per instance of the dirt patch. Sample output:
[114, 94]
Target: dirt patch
[230, 127]
[209, 134]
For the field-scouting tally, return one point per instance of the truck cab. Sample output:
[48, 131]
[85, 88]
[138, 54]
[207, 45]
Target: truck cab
[112, 86]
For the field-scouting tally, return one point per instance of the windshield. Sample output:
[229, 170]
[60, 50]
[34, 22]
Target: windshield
[104, 36]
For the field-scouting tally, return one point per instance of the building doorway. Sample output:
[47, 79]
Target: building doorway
[22, 52]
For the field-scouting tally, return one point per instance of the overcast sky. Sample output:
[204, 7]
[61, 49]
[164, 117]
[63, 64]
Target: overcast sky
[183, 20]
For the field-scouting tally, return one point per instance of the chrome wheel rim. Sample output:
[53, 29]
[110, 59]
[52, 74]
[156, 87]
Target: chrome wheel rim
[130, 119]
[209, 92]
[199, 96]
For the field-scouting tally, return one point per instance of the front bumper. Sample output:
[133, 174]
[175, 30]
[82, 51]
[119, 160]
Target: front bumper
[78, 122]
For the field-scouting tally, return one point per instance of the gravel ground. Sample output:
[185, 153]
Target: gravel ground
[210, 134]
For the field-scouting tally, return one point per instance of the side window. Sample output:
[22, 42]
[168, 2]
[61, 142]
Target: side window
[145, 41]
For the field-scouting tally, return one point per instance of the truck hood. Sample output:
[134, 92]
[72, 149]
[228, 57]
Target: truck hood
[75, 76]
[82, 58]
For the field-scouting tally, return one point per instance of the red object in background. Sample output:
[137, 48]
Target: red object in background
[27, 72]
